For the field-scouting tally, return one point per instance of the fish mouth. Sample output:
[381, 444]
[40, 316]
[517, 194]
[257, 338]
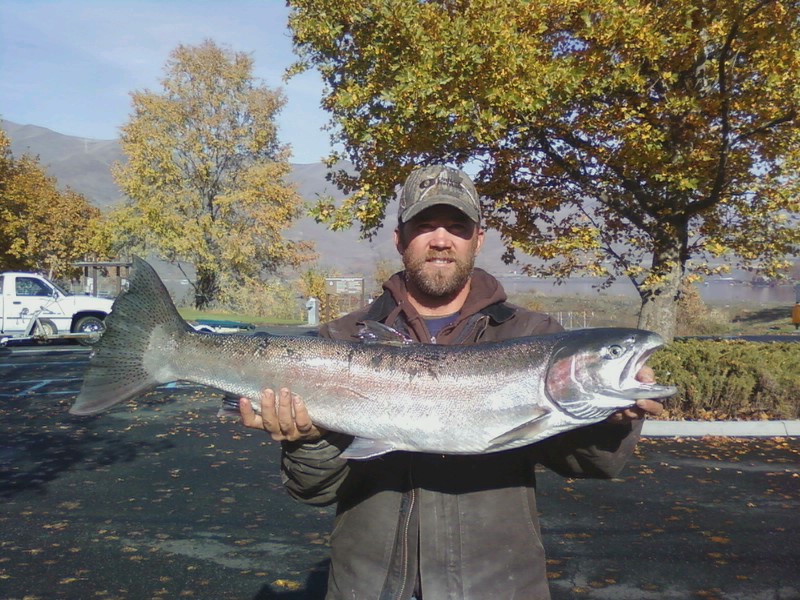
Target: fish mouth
[590, 383]
[632, 388]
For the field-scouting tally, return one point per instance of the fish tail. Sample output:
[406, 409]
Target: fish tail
[118, 369]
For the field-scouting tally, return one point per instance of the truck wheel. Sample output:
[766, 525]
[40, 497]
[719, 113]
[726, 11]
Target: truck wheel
[45, 327]
[93, 325]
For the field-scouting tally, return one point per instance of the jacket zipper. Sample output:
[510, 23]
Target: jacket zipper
[406, 525]
[469, 328]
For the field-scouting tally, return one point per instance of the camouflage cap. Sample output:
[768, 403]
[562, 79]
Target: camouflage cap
[437, 184]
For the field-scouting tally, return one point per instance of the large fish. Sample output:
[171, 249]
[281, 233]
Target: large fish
[419, 397]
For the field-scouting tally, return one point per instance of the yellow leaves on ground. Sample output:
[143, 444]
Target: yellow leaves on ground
[719, 539]
[287, 584]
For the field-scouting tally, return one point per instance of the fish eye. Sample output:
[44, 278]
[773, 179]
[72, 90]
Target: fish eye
[614, 351]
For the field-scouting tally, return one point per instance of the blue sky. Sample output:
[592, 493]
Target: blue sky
[70, 65]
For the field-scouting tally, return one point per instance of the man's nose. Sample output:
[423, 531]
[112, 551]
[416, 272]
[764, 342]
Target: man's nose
[441, 238]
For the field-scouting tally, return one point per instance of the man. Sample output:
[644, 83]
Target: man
[436, 526]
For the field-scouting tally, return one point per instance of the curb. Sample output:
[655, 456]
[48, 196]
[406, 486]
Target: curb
[721, 428]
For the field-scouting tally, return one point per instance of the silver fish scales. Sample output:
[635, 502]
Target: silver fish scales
[417, 397]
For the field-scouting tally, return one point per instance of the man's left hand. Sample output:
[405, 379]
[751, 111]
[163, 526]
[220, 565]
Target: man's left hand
[643, 407]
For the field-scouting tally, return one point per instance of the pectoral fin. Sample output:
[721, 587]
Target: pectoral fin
[530, 429]
[364, 448]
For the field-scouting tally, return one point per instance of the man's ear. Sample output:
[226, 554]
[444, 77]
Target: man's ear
[398, 240]
[480, 240]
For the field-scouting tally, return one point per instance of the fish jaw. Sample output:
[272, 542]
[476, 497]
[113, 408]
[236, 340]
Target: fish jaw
[594, 374]
[632, 388]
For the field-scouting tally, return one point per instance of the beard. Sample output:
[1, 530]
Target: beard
[436, 282]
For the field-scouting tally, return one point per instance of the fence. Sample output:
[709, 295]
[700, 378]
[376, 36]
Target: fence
[576, 319]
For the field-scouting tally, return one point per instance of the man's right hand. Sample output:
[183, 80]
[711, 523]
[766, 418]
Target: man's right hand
[286, 420]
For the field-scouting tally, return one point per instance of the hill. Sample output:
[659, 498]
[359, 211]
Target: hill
[85, 165]
[80, 163]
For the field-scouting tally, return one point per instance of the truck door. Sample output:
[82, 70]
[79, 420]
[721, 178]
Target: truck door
[28, 295]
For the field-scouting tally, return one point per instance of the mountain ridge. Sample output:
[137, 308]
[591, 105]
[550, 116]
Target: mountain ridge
[84, 165]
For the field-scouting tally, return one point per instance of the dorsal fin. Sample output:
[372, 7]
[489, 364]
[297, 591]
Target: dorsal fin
[373, 332]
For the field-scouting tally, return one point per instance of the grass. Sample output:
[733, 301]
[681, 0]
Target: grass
[598, 310]
[770, 320]
[619, 311]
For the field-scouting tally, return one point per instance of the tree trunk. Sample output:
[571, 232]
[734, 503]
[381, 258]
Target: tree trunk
[206, 288]
[660, 302]
[659, 312]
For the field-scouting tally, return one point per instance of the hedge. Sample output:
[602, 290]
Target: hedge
[730, 379]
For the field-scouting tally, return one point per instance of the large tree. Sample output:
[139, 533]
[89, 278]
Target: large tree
[205, 172]
[621, 138]
[42, 228]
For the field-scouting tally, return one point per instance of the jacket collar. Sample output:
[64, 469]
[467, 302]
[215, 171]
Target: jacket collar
[486, 296]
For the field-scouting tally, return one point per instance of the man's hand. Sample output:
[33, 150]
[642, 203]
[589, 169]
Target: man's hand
[287, 420]
[643, 406]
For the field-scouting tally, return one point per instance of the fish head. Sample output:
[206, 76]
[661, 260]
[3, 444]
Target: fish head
[593, 372]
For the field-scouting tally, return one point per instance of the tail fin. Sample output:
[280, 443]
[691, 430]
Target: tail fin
[117, 370]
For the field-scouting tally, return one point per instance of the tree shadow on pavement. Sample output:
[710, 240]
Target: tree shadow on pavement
[37, 447]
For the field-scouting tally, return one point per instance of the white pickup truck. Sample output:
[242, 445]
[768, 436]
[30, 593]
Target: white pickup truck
[34, 308]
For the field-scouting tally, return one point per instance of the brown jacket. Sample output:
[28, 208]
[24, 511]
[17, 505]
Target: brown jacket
[462, 527]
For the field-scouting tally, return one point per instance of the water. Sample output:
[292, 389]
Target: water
[718, 292]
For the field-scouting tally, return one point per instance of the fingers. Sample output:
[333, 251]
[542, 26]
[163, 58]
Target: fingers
[642, 409]
[269, 415]
[285, 418]
[646, 375]
[286, 424]
[301, 418]
[249, 416]
[651, 408]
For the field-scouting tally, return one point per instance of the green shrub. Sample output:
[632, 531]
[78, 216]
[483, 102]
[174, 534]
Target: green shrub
[730, 379]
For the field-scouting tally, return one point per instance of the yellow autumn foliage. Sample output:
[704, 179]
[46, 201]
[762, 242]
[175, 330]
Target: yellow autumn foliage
[206, 174]
[42, 228]
[638, 137]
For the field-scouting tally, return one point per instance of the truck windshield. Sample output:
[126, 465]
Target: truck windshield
[60, 289]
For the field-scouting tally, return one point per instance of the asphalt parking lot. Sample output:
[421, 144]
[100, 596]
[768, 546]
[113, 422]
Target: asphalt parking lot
[160, 499]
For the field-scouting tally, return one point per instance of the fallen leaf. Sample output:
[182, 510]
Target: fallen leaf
[287, 584]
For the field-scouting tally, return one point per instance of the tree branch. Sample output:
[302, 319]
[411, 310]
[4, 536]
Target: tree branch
[787, 118]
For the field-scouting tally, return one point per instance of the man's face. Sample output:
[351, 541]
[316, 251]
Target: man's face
[439, 247]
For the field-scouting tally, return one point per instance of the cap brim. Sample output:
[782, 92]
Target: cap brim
[416, 208]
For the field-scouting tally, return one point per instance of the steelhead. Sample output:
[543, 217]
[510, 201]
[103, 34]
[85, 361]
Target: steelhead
[390, 396]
